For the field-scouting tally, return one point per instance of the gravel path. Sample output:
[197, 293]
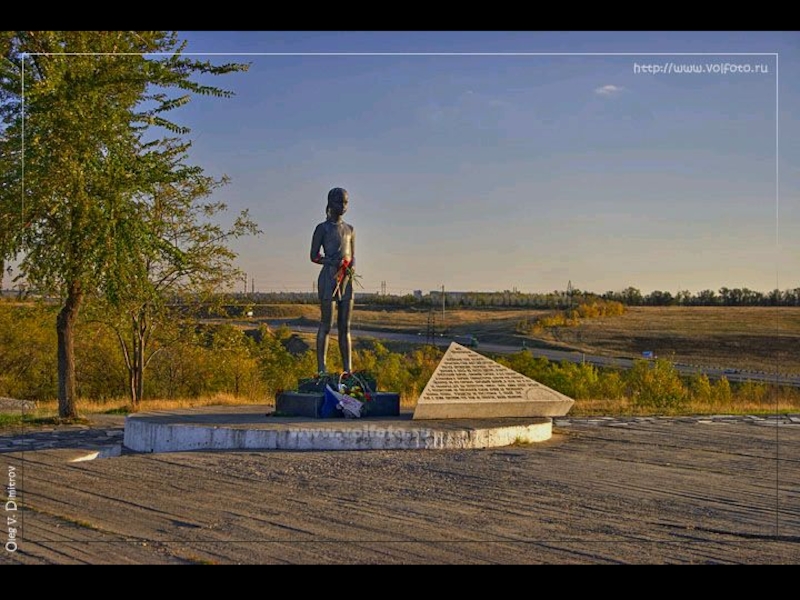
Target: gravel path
[104, 433]
[698, 490]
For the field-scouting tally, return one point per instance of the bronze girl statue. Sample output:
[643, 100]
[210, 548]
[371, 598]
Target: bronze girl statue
[333, 246]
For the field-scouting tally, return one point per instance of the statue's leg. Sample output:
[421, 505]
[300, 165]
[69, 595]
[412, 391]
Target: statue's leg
[345, 310]
[325, 324]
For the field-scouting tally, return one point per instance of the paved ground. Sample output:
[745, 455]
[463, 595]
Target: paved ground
[105, 433]
[710, 490]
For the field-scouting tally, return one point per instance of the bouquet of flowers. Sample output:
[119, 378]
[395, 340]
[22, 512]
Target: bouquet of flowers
[349, 406]
[346, 271]
[349, 393]
[354, 385]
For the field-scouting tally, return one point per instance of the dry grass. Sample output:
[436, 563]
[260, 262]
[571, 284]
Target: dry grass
[48, 409]
[456, 320]
[47, 412]
[750, 338]
[625, 408]
[289, 311]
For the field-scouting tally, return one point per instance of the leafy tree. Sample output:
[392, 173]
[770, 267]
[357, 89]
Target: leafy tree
[184, 263]
[577, 380]
[632, 296]
[700, 388]
[99, 367]
[82, 116]
[655, 385]
[236, 364]
[27, 363]
[611, 385]
[535, 367]
[752, 391]
[280, 370]
[707, 298]
[659, 298]
[721, 393]
[185, 369]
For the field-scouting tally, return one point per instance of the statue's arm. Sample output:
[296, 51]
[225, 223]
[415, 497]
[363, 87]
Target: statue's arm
[316, 246]
[353, 248]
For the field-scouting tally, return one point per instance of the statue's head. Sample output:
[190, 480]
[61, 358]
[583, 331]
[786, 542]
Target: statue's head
[337, 202]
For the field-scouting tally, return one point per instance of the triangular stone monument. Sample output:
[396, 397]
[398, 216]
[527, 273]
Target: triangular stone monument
[468, 385]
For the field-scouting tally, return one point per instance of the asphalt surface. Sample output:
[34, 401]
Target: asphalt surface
[684, 490]
[104, 433]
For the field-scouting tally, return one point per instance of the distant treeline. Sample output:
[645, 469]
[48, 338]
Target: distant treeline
[553, 300]
[233, 304]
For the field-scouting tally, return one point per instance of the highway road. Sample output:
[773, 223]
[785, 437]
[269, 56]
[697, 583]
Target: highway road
[733, 375]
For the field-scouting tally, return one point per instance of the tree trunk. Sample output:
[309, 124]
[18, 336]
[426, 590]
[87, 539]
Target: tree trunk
[65, 327]
[133, 366]
[140, 355]
[137, 371]
[136, 385]
[139, 334]
[132, 386]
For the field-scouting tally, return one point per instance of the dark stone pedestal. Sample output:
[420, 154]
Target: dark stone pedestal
[309, 404]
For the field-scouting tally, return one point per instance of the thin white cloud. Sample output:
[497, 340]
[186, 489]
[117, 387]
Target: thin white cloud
[608, 90]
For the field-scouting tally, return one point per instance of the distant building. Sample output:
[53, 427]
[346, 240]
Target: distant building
[452, 297]
[365, 295]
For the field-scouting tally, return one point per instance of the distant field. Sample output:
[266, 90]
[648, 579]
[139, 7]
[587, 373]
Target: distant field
[755, 338]
[497, 322]
[759, 338]
[481, 322]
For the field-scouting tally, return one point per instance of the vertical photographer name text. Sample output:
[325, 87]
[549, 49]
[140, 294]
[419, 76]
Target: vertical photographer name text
[11, 510]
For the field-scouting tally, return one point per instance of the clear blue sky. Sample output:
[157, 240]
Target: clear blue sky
[496, 172]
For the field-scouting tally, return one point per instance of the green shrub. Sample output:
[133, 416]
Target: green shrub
[655, 385]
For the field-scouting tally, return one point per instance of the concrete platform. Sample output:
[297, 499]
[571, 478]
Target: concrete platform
[254, 427]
